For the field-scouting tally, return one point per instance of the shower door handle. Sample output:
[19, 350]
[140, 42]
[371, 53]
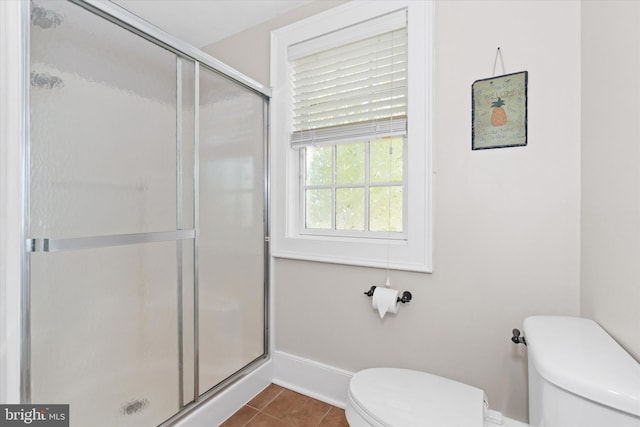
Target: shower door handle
[93, 242]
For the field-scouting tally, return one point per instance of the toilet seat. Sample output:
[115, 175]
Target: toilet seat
[392, 397]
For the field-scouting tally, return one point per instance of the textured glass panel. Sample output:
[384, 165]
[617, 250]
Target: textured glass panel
[110, 153]
[385, 160]
[385, 209]
[350, 163]
[103, 127]
[350, 209]
[318, 209]
[319, 165]
[103, 333]
[231, 245]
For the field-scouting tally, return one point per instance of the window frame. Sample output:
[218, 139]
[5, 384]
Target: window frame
[414, 251]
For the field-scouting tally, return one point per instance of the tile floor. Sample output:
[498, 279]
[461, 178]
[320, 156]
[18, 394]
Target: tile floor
[276, 406]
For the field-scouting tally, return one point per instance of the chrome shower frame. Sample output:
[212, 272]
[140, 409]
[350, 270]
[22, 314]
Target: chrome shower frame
[119, 16]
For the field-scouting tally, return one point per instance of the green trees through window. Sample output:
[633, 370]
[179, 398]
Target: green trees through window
[355, 187]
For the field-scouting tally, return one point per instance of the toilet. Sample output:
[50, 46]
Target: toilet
[578, 377]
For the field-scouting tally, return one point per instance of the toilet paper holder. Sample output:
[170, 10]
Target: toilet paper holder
[406, 295]
[516, 338]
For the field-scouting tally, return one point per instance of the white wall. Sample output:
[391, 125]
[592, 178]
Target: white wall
[506, 226]
[611, 168]
[248, 51]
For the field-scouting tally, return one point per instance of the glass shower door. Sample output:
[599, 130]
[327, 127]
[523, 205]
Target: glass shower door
[231, 255]
[111, 221]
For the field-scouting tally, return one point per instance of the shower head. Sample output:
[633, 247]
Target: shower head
[45, 80]
[44, 18]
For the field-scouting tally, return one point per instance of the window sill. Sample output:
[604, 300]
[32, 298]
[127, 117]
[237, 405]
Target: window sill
[391, 254]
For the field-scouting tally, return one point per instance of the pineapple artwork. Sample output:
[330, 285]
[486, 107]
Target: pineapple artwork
[499, 111]
[498, 117]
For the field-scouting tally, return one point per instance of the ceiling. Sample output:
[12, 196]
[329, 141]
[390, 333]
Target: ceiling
[202, 22]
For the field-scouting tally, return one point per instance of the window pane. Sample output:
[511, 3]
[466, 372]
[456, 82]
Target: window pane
[318, 209]
[350, 163]
[350, 209]
[385, 205]
[319, 165]
[385, 158]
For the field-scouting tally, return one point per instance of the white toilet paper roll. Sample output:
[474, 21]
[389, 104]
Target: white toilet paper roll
[385, 300]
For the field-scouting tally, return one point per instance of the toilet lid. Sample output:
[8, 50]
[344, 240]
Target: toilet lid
[405, 398]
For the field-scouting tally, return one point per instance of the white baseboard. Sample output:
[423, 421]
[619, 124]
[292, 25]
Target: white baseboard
[323, 382]
[226, 403]
[311, 378]
[314, 379]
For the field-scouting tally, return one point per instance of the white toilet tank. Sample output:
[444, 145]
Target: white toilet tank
[579, 376]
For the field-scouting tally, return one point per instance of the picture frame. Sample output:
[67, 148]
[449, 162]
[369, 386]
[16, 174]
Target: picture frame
[499, 111]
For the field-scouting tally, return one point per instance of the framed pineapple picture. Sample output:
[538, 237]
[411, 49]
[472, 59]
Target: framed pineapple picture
[499, 111]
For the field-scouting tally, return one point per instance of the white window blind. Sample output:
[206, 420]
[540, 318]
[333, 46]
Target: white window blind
[354, 90]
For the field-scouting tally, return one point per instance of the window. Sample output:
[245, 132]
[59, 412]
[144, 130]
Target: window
[355, 187]
[350, 136]
[346, 100]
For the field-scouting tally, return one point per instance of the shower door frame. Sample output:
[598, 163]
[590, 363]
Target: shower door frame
[122, 18]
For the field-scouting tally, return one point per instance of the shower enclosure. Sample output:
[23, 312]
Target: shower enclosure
[145, 226]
